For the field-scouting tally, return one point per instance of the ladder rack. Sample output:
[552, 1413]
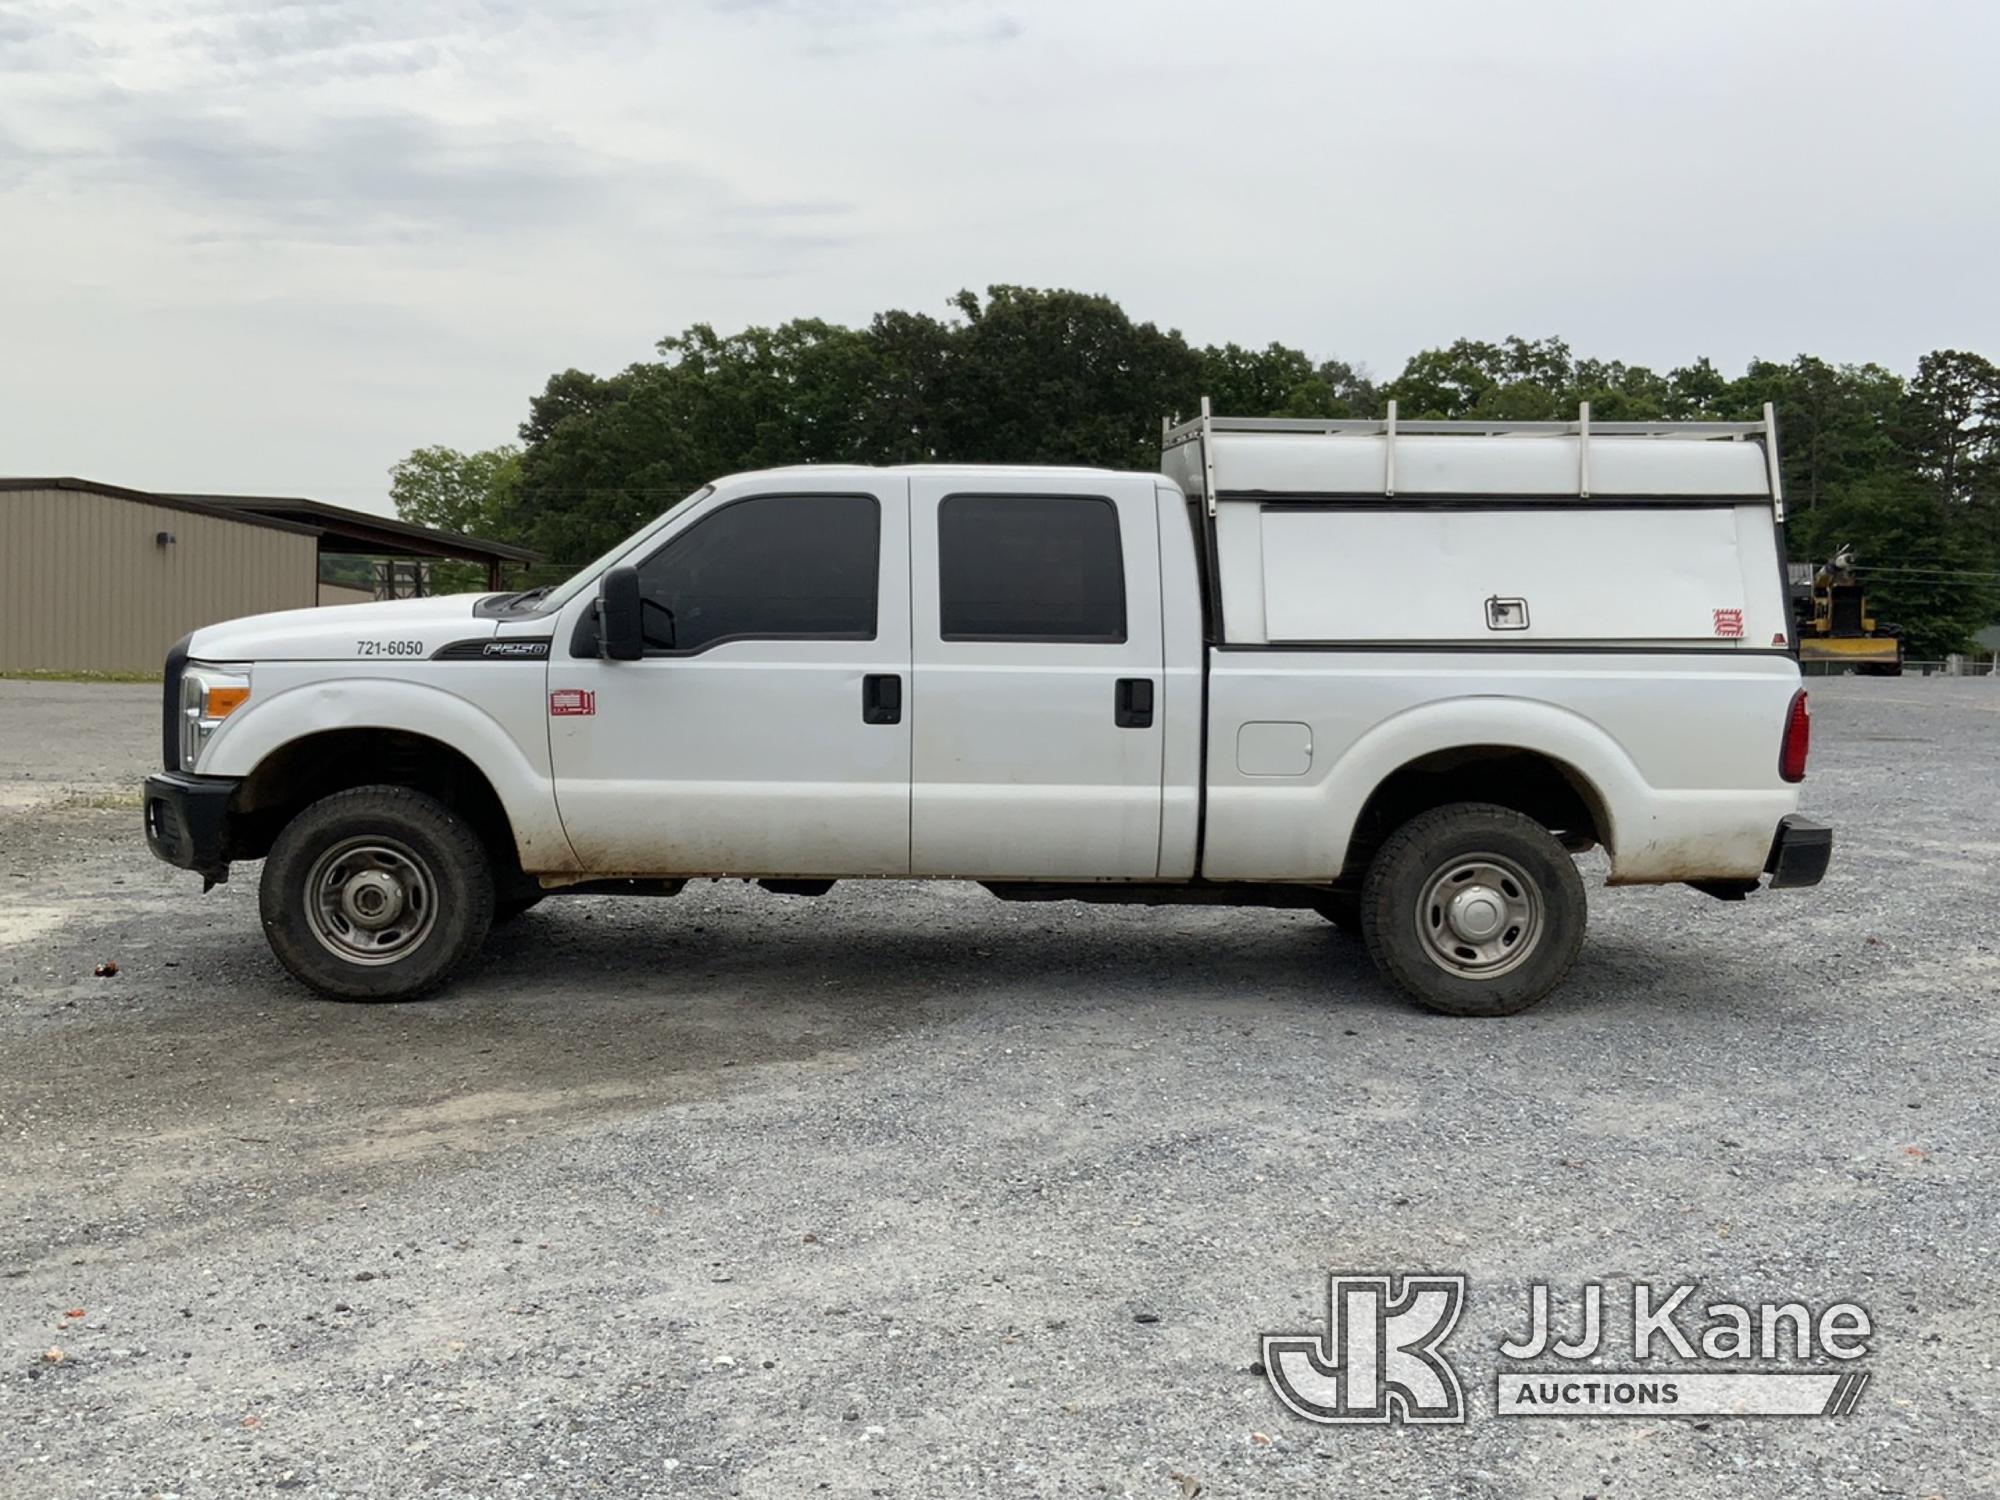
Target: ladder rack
[1391, 430]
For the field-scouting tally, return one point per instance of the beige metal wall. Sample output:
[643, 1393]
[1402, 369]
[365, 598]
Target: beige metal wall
[84, 587]
[340, 593]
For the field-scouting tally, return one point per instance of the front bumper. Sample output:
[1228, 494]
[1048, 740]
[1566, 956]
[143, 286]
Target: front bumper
[1800, 852]
[187, 821]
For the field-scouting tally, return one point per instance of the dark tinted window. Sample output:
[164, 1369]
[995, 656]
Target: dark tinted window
[1030, 567]
[780, 565]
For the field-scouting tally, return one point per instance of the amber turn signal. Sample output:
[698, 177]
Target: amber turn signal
[221, 702]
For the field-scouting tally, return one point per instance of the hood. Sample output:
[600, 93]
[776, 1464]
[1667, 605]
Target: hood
[392, 628]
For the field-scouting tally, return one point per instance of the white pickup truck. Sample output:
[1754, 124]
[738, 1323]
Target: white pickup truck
[1396, 674]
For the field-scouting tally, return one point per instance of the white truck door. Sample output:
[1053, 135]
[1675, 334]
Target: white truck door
[766, 731]
[1037, 661]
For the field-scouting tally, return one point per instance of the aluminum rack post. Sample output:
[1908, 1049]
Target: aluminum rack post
[1208, 456]
[1389, 453]
[1771, 461]
[1583, 450]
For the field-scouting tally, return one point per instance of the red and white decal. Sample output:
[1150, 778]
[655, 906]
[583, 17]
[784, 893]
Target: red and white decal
[569, 702]
[1729, 623]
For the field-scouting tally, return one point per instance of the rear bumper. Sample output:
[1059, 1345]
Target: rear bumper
[1799, 853]
[187, 821]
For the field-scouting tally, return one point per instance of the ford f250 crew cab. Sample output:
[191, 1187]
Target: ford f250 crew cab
[1396, 674]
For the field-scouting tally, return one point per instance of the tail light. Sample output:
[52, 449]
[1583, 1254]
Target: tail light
[1798, 739]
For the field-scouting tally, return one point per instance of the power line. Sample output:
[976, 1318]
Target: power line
[1921, 575]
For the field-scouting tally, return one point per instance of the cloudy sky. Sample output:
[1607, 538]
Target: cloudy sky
[273, 247]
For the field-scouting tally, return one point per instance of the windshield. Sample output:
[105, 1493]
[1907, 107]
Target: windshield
[554, 596]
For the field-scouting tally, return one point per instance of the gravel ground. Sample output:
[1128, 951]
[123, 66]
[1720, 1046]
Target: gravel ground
[908, 1192]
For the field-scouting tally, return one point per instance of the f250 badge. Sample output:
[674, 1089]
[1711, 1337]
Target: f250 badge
[570, 702]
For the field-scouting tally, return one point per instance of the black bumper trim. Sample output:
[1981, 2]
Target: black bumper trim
[1799, 853]
[177, 660]
[187, 821]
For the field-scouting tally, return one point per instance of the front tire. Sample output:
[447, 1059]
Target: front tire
[1473, 910]
[377, 893]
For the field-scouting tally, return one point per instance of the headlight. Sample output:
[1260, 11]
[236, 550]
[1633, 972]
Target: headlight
[209, 694]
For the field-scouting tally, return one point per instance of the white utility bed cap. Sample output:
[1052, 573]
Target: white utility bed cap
[1488, 535]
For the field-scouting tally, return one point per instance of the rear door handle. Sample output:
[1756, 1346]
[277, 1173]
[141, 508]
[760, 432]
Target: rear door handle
[1133, 706]
[882, 698]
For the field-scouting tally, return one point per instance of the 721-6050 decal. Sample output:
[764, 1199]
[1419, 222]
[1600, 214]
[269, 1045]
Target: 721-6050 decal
[388, 648]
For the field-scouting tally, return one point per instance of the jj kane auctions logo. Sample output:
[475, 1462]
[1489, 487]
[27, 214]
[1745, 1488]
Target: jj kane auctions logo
[1381, 1357]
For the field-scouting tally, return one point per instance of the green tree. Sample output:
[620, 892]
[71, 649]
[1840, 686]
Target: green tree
[1701, 393]
[605, 455]
[469, 493]
[1277, 381]
[1837, 424]
[1021, 376]
[1953, 430]
[1922, 569]
[908, 386]
[1058, 377]
[1030, 375]
[1618, 392]
[1954, 422]
[473, 494]
[1516, 380]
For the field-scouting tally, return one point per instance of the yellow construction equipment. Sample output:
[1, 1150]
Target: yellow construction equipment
[1836, 627]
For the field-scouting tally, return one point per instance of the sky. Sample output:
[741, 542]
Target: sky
[272, 248]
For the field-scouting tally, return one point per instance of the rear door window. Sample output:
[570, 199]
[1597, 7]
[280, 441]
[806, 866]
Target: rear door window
[1030, 568]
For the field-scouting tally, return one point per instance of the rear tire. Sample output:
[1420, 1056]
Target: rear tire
[1473, 910]
[378, 893]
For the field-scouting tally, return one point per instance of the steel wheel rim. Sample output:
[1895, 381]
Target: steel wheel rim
[1480, 916]
[371, 900]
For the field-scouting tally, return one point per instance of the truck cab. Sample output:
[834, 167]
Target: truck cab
[1396, 676]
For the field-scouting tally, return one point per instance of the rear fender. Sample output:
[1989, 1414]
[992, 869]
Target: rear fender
[1652, 835]
[1609, 778]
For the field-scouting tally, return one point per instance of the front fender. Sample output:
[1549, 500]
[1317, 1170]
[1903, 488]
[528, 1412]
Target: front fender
[273, 720]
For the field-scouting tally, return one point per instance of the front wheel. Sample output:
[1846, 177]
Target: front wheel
[376, 894]
[1473, 910]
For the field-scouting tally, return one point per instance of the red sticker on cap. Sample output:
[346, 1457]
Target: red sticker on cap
[1729, 622]
[566, 702]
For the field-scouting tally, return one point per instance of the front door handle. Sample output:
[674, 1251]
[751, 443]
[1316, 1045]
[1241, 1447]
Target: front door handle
[1132, 708]
[882, 698]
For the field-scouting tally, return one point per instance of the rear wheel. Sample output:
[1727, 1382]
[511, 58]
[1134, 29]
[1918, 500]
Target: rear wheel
[1473, 910]
[378, 893]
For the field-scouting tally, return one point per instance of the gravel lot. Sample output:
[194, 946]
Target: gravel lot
[908, 1192]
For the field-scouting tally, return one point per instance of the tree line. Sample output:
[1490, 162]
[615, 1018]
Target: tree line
[1903, 468]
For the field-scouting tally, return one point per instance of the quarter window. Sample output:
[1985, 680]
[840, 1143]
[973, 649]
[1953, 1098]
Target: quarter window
[790, 567]
[1030, 568]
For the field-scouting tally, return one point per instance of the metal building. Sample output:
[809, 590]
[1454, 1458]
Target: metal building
[98, 578]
